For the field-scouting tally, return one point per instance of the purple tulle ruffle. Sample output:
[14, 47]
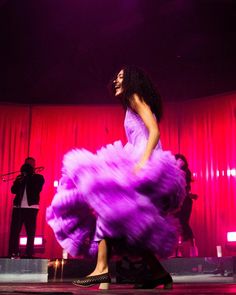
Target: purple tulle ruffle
[100, 196]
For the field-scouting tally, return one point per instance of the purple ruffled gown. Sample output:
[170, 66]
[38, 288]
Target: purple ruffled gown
[100, 196]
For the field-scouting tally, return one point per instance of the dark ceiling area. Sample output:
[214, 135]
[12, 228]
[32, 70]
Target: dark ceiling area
[66, 51]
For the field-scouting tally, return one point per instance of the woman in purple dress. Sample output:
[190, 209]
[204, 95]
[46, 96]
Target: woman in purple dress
[122, 193]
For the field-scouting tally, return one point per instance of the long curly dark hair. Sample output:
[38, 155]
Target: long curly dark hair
[137, 81]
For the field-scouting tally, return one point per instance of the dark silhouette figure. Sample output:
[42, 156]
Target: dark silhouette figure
[26, 187]
[185, 211]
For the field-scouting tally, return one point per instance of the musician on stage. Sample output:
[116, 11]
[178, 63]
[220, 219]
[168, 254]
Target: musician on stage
[26, 187]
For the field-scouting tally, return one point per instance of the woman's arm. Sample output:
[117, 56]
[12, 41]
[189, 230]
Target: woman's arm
[144, 111]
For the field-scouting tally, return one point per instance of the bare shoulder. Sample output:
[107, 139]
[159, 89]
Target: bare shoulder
[137, 103]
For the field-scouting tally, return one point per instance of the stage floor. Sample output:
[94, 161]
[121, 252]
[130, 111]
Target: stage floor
[115, 289]
[197, 276]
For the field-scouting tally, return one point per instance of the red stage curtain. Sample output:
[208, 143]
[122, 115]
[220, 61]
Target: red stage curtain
[203, 130]
[169, 127]
[207, 139]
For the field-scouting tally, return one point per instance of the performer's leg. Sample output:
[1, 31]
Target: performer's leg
[102, 258]
[154, 265]
[159, 276]
[30, 218]
[15, 228]
[100, 274]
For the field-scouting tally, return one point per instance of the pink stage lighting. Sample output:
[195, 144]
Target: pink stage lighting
[38, 241]
[231, 236]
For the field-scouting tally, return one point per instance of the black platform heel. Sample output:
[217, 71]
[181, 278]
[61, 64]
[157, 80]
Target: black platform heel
[102, 280]
[166, 281]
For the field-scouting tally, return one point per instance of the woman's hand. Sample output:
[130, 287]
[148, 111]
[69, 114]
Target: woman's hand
[138, 167]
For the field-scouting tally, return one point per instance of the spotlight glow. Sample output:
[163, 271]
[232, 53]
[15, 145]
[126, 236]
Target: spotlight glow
[38, 241]
[231, 236]
[231, 172]
[55, 183]
[216, 173]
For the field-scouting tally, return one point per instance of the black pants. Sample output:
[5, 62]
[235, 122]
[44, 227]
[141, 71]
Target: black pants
[20, 217]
